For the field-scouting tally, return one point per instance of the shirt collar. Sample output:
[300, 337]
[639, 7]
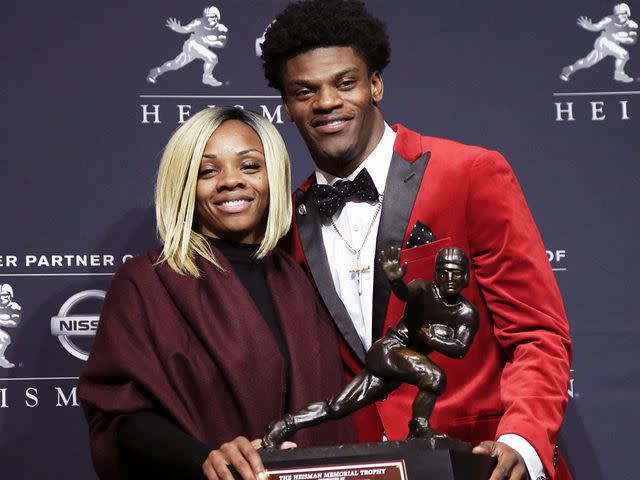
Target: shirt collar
[377, 163]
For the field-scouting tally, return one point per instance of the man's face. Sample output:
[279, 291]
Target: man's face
[5, 298]
[451, 279]
[621, 13]
[330, 96]
[622, 17]
[212, 20]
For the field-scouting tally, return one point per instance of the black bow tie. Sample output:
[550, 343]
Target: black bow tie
[330, 198]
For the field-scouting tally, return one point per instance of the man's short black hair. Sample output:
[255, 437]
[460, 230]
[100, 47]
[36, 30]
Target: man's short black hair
[308, 24]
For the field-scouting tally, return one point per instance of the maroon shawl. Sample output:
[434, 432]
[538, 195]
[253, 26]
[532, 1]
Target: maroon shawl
[198, 352]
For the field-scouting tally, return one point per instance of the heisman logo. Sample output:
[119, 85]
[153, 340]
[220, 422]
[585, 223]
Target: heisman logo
[616, 30]
[64, 325]
[9, 318]
[204, 32]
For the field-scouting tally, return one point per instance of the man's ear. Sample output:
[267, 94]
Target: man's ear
[466, 280]
[377, 87]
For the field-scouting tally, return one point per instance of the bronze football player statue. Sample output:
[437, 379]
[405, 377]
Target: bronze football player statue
[436, 318]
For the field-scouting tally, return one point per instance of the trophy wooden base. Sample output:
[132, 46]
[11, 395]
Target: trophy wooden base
[437, 458]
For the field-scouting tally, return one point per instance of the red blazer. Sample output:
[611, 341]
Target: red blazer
[514, 379]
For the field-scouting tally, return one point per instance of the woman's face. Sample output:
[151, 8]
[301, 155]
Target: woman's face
[232, 195]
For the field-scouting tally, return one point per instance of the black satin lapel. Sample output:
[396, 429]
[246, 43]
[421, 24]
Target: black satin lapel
[403, 181]
[310, 230]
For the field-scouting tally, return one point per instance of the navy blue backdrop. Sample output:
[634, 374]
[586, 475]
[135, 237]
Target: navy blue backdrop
[82, 133]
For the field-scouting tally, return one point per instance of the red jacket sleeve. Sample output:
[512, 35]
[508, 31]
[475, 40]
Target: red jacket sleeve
[528, 316]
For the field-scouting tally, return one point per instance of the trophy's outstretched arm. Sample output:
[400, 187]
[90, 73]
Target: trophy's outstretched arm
[395, 270]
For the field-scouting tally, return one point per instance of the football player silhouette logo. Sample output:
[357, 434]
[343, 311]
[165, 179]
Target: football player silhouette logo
[10, 313]
[616, 30]
[204, 33]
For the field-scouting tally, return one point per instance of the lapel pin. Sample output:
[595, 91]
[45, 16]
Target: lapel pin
[302, 209]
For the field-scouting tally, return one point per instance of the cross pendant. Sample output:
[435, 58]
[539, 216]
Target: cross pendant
[359, 271]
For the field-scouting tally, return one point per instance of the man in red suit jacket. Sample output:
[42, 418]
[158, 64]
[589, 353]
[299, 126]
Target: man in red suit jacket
[508, 394]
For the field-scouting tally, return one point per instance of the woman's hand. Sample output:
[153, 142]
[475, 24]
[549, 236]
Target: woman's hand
[242, 455]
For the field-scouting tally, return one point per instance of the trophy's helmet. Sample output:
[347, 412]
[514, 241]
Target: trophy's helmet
[211, 12]
[5, 289]
[621, 9]
[452, 257]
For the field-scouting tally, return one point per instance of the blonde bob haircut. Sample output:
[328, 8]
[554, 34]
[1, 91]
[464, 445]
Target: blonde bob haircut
[178, 178]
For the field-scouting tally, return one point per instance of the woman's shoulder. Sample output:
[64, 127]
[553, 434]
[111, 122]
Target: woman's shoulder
[139, 266]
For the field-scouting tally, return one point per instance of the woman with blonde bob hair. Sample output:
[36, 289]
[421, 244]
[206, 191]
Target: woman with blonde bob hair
[179, 168]
[204, 341]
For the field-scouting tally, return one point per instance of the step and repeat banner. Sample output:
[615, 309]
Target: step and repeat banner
[92, 90]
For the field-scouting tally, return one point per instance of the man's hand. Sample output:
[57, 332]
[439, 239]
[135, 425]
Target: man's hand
[585, 23]
[174, 25]
[390, 261]
[242, 455]
[510, 465]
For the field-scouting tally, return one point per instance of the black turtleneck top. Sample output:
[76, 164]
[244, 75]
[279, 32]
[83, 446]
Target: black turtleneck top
[252, 276]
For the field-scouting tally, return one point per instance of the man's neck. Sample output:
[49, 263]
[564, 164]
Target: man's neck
[377, 163]
[449, 300]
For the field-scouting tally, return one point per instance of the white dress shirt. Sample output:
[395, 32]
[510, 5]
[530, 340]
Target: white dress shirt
[353, 221]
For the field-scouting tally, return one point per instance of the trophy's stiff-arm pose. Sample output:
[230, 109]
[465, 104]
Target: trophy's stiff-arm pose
[204, 33]
[616, 31]
[436, 318]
